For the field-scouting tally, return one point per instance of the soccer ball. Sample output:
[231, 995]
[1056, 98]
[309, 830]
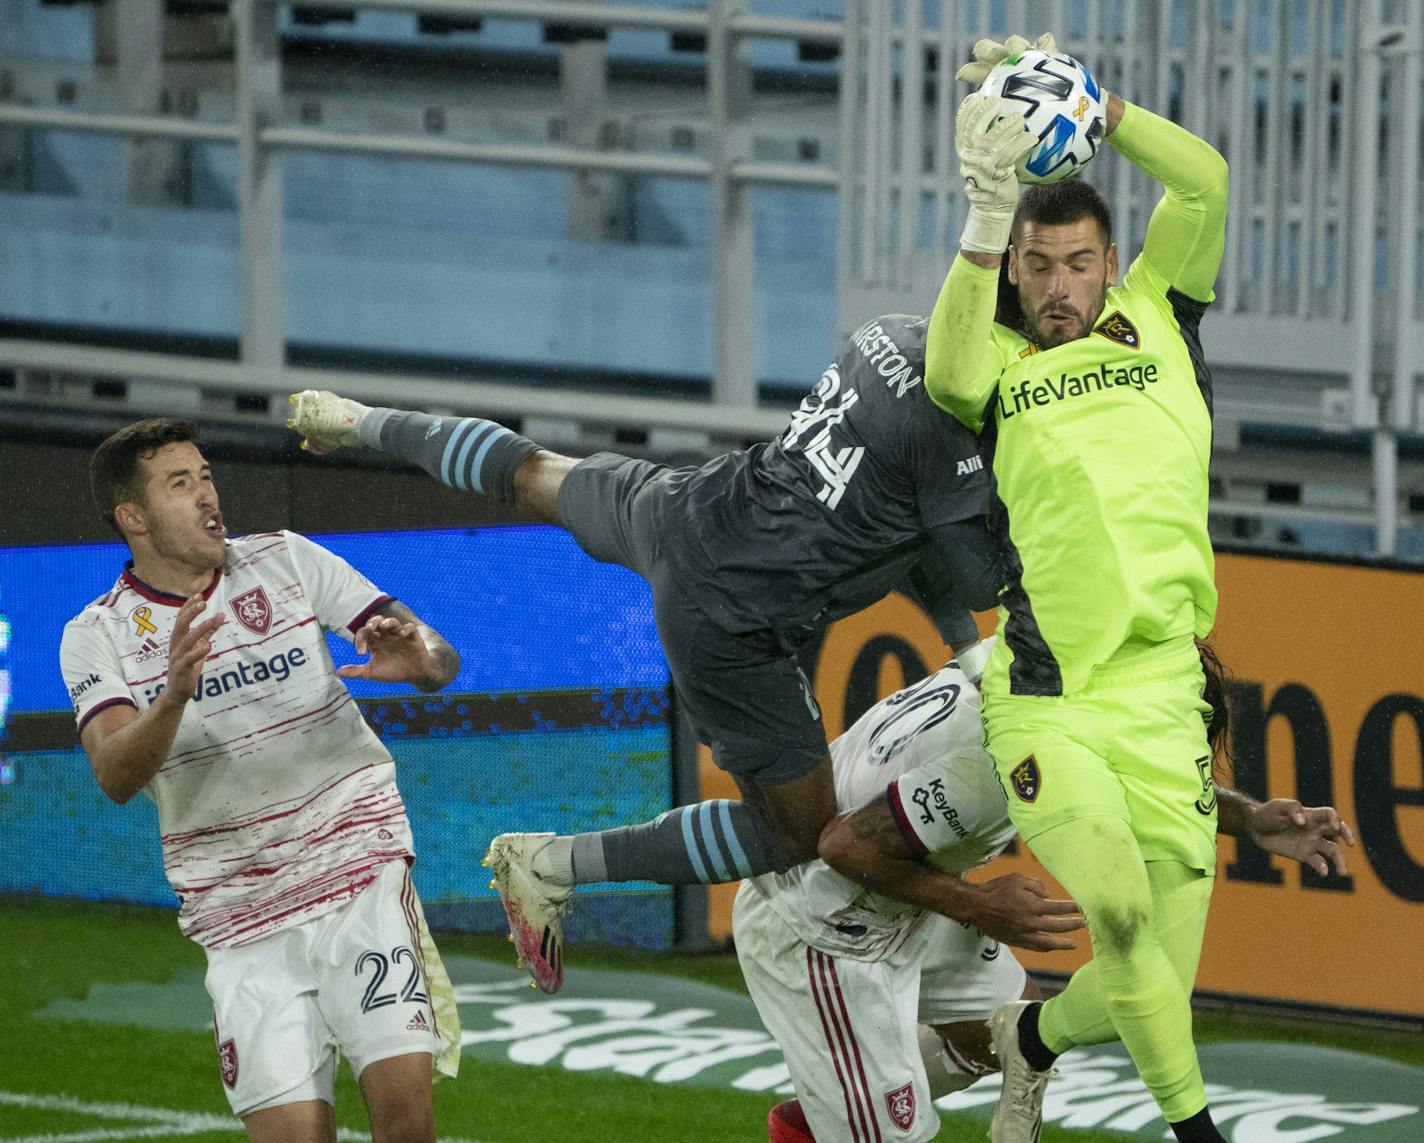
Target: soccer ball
[1062, 106]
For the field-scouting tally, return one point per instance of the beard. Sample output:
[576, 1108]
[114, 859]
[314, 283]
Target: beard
[1049, 333]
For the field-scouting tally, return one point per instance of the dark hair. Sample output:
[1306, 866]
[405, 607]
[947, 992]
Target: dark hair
[114, 468]
[1218, 723]
[1057, 204]
[1049, 204]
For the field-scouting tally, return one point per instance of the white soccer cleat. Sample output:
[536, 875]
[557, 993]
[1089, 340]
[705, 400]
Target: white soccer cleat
[534, 906]
[1018, 1118]
[326, 421]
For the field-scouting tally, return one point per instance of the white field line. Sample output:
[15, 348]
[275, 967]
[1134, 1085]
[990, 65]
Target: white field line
[141, 1122]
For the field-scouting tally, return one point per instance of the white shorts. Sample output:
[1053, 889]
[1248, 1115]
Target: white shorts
[848, 1028]
[351, 981]
[964, 975]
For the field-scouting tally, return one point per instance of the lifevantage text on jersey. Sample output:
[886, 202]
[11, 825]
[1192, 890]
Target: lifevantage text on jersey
[214, 683]
[1029, 393]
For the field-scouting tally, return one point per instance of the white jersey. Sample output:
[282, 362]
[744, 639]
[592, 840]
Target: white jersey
[921, 749]
[277, 802]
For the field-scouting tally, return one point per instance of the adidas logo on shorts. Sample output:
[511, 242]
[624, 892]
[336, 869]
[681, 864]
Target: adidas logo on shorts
[419, 1023]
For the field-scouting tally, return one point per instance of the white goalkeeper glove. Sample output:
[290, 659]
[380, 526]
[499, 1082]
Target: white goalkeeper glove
[988, 54]
[990, 137]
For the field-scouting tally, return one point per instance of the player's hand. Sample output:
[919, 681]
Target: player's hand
[990, 138]
[1309, 835]
[988, 54]
[188, 648]
[398, 652]
[1018, 911]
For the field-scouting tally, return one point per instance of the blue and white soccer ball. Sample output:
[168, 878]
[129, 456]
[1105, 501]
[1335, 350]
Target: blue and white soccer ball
[1062, 105]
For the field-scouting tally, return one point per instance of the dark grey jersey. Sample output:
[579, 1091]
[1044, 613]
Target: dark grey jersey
[823, 521]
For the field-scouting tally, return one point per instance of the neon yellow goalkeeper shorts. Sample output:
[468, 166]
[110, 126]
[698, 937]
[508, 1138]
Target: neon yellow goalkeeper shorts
[1131, 745]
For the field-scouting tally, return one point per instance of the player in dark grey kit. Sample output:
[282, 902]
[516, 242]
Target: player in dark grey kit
[748, 556]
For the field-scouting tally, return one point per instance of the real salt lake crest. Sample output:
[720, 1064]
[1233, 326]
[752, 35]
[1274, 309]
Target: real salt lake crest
[671, 1030]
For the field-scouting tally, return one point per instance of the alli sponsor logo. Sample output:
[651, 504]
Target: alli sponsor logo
[969, 465]
[253, 610]
[142, 619]
[1117, 327]
[1026, 779]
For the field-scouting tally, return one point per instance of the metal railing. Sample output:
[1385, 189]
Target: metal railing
[1315, 103]
[259, 136]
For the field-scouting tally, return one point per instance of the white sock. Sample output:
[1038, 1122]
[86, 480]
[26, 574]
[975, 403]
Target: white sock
[944, 1070]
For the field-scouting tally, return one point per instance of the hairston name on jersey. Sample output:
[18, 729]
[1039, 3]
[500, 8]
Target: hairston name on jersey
[1104, 379]
[889, 361]
[278, 667]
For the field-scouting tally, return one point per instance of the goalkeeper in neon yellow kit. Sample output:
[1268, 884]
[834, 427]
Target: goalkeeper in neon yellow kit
[1095, 406]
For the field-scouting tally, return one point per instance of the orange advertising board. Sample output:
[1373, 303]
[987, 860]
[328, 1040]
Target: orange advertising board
[1327, 697]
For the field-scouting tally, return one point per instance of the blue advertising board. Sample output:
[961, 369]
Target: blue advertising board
[558, 720]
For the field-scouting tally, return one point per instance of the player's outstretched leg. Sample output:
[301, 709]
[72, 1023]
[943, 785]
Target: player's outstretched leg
[707, 843]
[534, 905]
[468, 453]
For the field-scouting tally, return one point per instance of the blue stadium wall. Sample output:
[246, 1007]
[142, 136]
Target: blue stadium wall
[406, 259]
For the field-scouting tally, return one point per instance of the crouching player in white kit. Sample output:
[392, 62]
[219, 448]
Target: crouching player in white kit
[878, 1006]
[881, 1007]
[203, 679]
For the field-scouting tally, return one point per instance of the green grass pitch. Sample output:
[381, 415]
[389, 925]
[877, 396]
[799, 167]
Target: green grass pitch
[58, 949]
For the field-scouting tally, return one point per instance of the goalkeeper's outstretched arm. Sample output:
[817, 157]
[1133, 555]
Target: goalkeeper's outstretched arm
[1187, 231]
[962, 365]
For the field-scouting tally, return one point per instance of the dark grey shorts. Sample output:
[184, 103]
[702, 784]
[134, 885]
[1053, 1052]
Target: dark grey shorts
[746, 698]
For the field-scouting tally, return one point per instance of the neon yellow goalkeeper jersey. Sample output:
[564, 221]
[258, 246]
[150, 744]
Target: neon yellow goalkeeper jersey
[1100, 446]
[1100, 451]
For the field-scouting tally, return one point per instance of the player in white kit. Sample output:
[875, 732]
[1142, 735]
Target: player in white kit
[880, 1006]
[844, 978]
[203, 679]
